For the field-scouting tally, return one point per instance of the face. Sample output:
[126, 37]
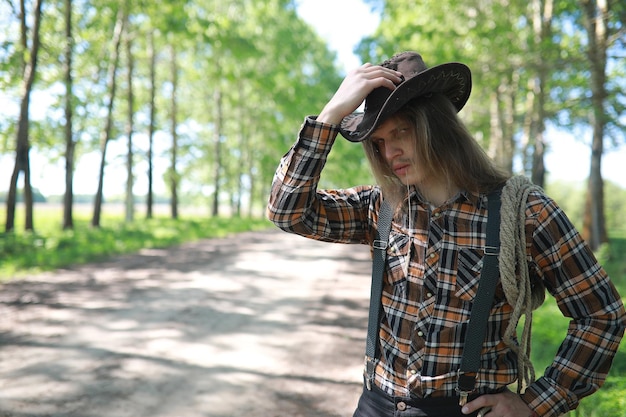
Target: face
[395, 141]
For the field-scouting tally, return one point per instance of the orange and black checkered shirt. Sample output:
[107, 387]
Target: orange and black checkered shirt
[432, 272]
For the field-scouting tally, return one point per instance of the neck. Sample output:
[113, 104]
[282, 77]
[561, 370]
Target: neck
[438, 192]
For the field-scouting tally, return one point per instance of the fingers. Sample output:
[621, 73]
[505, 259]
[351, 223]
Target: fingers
[505, 404]
[483, 412]
[480, 402]
[355, 88]
[379, 75]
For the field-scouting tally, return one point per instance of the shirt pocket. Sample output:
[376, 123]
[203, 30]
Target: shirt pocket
[397, 257]
[469, 267]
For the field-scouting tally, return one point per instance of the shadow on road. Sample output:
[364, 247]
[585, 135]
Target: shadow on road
[264, 324]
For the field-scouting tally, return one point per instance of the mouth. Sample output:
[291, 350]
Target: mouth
[401, 169]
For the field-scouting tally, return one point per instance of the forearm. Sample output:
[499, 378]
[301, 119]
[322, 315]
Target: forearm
[295, 205]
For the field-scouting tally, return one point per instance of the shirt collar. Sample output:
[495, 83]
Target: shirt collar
[472, 197]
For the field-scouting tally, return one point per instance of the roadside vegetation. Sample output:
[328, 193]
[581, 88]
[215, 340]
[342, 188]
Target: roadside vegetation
[50, 247]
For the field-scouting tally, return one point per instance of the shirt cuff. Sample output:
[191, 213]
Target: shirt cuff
[546, 399]
[316, 136]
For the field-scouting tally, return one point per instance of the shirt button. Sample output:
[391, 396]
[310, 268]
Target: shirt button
[420, 333]
[401, 406]
[429, 294]
[431, 256]
[413, 371]
[436, 215]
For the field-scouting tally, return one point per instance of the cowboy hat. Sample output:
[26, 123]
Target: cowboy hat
[453, 79]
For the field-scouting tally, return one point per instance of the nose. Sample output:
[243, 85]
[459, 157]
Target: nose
[392, 150]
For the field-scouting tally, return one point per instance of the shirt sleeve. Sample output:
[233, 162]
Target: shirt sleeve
[583, 292]
[296, 206]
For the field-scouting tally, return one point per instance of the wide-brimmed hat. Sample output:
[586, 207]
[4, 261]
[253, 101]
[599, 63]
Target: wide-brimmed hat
[453, 80]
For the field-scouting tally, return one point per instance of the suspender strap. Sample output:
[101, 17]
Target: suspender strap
[476, 329]
[380, 254]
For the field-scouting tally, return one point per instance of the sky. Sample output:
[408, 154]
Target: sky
[342, 23]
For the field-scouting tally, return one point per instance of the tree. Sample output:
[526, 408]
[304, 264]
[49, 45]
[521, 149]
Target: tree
[70, 144]
[151, 124]
[105, 135]
[596, 22]
[273, 69]
[130, 199]
[173, 172]
[534, 140]
[217, 141]
[22, 159]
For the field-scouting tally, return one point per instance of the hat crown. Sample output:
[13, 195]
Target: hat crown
[408, 63]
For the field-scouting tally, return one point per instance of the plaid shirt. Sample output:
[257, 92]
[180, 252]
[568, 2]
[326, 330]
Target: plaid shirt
[432, 272]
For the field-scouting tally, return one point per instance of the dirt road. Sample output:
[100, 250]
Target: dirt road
[260, 324]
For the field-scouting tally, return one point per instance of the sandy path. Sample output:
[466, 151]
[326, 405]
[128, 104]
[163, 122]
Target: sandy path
[261, 324]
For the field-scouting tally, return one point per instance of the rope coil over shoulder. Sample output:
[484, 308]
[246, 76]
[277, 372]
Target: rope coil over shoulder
[520, 291]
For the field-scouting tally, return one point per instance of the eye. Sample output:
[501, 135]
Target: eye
[378, 143]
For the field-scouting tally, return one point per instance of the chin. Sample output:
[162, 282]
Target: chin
[409, 180]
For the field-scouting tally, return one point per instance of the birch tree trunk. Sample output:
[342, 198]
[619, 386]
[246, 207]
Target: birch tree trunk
[105, 135]
[174, 121]
[22, 158]
[596, 23]
[534, 125]
[217, 140]
[70, 145]
[152, 125]
[130, 199]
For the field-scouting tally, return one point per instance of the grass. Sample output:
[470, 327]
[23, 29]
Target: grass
[50, 248]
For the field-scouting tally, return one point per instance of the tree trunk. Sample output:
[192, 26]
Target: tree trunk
[217, 141]
[174, 152]
[243, 146]
[596, 23]
[497, 138]
[152, 123]
[22, 159]
[105, 135]
[70, 145]
[130, 199]
[508, 95]
[542, 29]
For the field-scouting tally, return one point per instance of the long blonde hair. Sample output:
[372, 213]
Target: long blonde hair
[444, 147]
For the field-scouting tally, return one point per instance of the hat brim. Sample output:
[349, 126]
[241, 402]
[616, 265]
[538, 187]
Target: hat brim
[454, 80]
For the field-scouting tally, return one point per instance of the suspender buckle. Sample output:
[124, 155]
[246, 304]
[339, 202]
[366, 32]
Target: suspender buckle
[463, 398]
[465, 385]
[492, 250]
[368, 372]
[380, 244]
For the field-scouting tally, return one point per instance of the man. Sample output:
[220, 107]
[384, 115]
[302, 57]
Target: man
[437, 178]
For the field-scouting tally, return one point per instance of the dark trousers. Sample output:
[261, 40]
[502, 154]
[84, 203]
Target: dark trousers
[377, 403]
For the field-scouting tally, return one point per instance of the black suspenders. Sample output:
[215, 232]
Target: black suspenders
[475, 335]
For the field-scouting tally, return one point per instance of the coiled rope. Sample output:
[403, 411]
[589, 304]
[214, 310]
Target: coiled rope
[522, 294]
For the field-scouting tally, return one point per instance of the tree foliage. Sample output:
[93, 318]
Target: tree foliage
[269, 68]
